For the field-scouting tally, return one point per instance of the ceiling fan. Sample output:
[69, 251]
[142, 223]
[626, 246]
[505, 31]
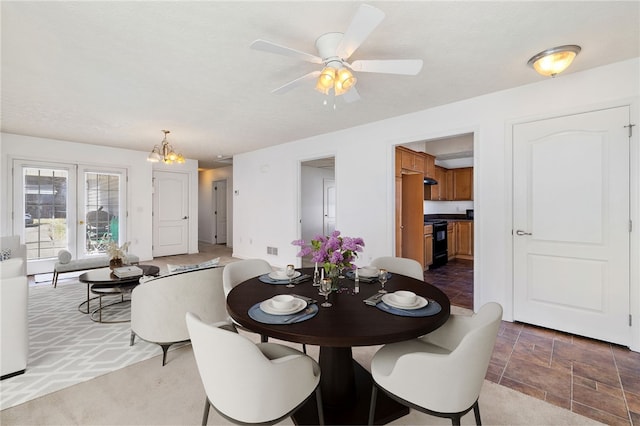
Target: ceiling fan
[333, 51]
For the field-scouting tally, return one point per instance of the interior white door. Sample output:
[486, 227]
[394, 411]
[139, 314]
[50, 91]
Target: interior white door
[220, 211]
[329, 205]
[170, 213]
[571, 224]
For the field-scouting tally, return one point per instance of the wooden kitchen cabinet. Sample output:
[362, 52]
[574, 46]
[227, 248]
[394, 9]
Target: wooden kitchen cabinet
[462, 184]
[409, 199]
[451, 240]
[412, 227]
[411, 161]
[428, 245]
[464, 239]
[437, 192]
[429, 165]
[399, 216]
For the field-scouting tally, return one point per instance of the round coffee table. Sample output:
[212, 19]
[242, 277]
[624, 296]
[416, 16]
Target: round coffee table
[102, 282]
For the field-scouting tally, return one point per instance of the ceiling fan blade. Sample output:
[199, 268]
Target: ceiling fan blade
[388, 66]
[352, 95]
[295, 83]
[267, 46]
[363, 23]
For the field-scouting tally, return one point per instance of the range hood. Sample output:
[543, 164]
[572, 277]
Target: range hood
[430, 181]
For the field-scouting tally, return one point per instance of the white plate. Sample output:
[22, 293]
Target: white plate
[421, 302]
[281, 276]
[368, 272]
[297, 306]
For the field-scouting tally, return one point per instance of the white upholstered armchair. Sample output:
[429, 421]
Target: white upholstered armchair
[251, 383]
[400, 265]
[159, 305]
[442, 372]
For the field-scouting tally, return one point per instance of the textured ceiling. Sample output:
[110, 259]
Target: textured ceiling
[116, 73]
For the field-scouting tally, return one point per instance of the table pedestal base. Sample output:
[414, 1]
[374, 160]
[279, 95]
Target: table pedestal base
[346, 394]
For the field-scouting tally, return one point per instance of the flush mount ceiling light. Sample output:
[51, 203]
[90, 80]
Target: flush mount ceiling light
[555, 60]
[165, 152]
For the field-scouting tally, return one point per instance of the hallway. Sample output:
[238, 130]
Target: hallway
[593, 378]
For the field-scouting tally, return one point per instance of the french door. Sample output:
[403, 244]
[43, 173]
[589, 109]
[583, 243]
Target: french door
[60, 206]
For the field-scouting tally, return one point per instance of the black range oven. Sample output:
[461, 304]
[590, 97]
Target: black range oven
[440, 253]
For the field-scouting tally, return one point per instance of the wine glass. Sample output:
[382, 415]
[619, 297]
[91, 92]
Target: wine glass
[325, 290]
[290, 271]
[382, 277]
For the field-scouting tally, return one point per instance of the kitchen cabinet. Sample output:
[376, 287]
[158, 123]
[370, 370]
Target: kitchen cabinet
[462, 184]
[464, 239]
[429, 165]
[409, 183]
[437, 192]
[453, 185]
[399, 215]
[428, 246]
[411, 161]
[451, 240]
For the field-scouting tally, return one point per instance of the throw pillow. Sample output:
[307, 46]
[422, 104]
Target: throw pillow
[64, 256]
[181, 268]
[5, 254]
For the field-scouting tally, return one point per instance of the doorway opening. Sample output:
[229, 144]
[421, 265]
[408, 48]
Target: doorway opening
[451, 200]
[317, 199]
[219, 198]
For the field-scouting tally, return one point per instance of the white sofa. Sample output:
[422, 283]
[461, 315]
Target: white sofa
[159, 305]
[14, 293]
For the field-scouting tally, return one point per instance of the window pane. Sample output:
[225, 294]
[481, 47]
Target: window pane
[102, 209]
[45, 211]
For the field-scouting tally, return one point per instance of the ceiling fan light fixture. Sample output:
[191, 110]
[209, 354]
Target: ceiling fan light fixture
[344, 81]
[553, 61]
[326, 80]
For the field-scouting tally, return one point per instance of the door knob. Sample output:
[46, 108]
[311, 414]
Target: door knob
[520, 232]
[186, 217]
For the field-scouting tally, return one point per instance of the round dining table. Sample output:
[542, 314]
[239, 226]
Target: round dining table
[349, 322]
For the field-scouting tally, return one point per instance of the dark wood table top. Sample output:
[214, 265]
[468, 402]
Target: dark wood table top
[349, 322]
[106, 276]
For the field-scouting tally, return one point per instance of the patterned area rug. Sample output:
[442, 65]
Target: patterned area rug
[66, 347]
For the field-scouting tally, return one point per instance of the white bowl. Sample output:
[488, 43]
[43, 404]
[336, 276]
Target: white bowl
[280, 274]
[406, 298]
[282, 301]
[368, 272]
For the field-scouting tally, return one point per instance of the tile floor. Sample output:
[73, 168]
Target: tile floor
[593, 378]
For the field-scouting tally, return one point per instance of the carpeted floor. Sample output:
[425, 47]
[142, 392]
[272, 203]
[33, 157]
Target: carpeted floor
[66, 347]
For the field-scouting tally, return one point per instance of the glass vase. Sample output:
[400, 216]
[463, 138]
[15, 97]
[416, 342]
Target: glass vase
[334, 275]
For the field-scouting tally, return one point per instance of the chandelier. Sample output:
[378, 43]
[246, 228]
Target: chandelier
[165, 152]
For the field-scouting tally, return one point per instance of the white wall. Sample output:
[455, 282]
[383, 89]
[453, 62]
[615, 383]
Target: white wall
[261, 175]
[139, 189]
[205, 204]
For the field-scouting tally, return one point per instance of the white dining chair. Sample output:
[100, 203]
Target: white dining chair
[441, 373]
[251, 383]
[236, 272]
[400, 265]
